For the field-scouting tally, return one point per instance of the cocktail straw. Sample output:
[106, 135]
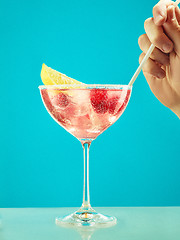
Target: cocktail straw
[150, 50]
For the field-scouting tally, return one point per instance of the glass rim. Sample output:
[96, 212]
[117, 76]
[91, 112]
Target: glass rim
[86, 86]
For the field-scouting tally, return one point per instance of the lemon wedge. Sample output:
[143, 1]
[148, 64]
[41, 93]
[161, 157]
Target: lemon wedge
[50, 76]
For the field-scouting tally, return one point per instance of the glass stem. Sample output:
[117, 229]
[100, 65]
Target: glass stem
[86, 198]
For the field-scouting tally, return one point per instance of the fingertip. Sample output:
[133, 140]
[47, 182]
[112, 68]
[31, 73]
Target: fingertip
[140, 39]
[167, 47]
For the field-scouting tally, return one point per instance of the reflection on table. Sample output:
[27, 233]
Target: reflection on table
[133, 224]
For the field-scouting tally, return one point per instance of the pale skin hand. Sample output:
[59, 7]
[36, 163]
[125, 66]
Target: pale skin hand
[162, 69]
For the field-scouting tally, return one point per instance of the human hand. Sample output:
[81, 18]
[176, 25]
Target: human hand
[162, 69]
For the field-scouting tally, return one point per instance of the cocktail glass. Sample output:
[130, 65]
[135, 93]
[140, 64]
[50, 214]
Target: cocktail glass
[85, 111]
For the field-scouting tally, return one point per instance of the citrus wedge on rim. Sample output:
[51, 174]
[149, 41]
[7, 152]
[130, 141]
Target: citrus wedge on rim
[50, 76]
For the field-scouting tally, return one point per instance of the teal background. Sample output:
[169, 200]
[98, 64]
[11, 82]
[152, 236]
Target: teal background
[136, 162]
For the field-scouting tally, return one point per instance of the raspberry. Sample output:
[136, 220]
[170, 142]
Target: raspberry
[99, 100]
[60, 100]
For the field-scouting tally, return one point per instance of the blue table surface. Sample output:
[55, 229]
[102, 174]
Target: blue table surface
[134, 223]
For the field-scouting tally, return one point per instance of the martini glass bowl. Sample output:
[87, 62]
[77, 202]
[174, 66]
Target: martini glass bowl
[85, 111]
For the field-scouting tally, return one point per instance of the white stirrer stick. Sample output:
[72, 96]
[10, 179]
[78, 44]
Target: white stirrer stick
[150, 50]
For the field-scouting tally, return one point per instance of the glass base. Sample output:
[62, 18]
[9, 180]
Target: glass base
[86, 218]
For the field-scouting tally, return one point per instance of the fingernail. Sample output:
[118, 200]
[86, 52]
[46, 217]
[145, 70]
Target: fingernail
[166, 47]
[161, 75]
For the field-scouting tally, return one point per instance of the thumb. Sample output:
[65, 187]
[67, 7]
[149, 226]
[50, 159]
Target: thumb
[172, 28]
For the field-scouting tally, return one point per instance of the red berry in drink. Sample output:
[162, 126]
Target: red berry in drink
[60, 100]
[99, 100]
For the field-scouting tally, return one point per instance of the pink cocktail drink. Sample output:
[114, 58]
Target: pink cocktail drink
[84, 112]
